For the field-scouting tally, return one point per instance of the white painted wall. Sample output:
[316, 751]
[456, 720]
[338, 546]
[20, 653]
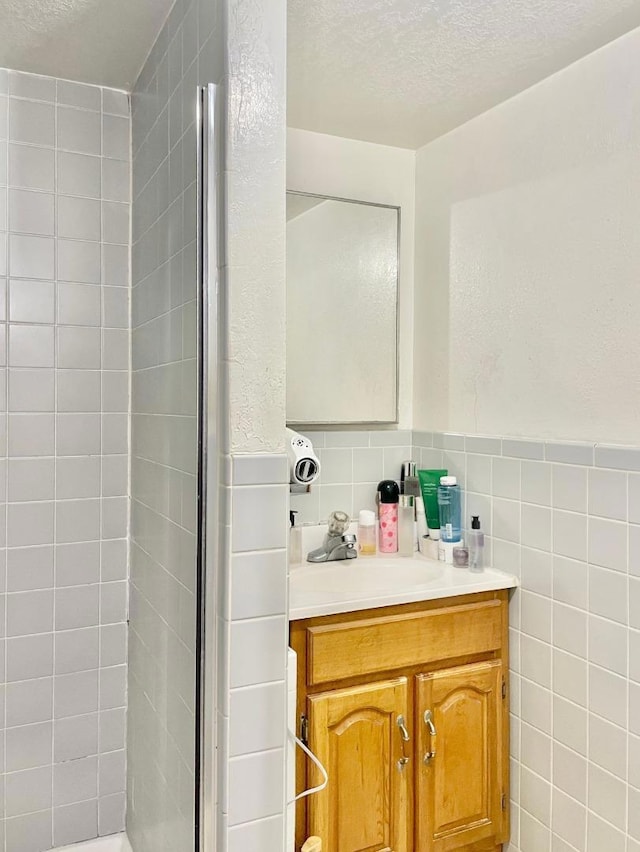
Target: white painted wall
[346, 168]
[527, 303]
[251, 622]
[255, 223]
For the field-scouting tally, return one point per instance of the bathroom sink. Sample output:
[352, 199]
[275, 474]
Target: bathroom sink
[366, 575]
[355, 584]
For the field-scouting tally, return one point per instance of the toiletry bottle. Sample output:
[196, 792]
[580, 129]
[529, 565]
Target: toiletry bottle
[412, 489]
[405, 471]
[475, 541]
[406, 525]
[367, 533]
[460, 555]
[421, 520]
[388, 509]
[411, 481]
[449, 505]
[429, 483]
[295, 540]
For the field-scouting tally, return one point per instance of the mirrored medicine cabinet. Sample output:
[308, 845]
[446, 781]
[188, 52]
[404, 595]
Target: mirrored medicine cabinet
[342, 311]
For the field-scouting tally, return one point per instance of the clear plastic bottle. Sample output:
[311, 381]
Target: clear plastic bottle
[295, 540]
[449, 505]
[406, 525]
[475, 542]
[421, 520]
[412, 489]
[412, 485]
[367, 533]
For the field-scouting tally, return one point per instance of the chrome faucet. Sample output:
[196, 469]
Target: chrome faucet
[338, 543]
[335, 548]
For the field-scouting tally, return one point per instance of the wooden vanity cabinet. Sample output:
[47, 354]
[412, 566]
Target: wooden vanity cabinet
[407, 708]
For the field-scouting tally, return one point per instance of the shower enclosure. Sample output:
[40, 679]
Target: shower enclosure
[174, 476]
[141, 434]
[207, 434]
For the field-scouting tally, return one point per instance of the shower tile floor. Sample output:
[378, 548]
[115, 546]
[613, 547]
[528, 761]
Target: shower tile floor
[113, 843]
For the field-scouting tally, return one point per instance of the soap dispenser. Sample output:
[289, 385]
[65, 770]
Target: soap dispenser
[475, 542]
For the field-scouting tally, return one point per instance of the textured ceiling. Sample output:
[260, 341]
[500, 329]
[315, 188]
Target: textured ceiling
[402, 72]
[94, 41]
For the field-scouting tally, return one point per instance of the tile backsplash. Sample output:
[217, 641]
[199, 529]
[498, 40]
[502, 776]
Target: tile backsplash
[352, 464]
[565, 518]
[64, 385]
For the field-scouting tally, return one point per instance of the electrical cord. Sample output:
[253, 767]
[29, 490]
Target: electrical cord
[315, 760]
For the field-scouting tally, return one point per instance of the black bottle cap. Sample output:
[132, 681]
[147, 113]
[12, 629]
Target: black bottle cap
[389, 491]
[475, 522]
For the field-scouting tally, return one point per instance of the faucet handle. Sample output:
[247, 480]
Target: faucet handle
[338, 523]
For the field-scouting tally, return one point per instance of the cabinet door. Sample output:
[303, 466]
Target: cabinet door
[459, 787]
[355, 734]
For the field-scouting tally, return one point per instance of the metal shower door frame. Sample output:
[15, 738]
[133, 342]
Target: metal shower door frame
[210, 207]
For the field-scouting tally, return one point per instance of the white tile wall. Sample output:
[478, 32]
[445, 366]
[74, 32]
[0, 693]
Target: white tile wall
[161, 728]
[63, 466]
[563, 526]
[254, 637]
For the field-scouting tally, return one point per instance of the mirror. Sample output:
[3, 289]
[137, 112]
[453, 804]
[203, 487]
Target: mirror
[342, 311]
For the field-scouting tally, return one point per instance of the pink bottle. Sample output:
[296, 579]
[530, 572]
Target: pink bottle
[388, 496]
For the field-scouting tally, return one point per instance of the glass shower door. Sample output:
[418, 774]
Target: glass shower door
[174, 358]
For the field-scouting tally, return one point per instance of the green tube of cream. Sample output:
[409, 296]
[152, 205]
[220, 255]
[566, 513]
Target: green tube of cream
[429, 482]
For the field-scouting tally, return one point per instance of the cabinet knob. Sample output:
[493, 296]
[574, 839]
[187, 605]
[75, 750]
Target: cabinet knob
[428, 720]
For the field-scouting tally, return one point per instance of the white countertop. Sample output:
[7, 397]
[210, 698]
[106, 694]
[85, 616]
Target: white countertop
[376, 581]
